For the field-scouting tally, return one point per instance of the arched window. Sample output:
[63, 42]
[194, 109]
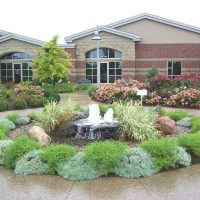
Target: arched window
[110, 65]
[15, 67]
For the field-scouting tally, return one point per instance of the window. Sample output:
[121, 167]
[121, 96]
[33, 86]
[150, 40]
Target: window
[16, 55]
[104, 53]
[174, 68]
[109, 62]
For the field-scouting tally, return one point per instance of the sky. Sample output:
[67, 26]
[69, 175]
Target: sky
[42, 19]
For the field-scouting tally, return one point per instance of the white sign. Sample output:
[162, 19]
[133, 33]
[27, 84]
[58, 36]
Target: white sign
[142, 92]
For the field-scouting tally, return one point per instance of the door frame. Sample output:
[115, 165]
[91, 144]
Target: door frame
[107, 71]
[13, 66]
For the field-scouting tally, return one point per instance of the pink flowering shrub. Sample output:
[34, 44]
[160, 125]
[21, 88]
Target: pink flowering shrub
[119, 90]
[27, 92]
[152, 99]
[186, 98]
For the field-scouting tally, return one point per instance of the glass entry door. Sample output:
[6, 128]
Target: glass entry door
[17, 73]
[103, 72]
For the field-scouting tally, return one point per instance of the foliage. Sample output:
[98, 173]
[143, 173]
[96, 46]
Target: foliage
[13, 117]
[22, 120]
[186, 122]
[153, 98]
[60, 87]
[30, 163]
[191, 142]
[91, 90]
[7, 124]
[35, 102]
[104, 108]
[183, 158]
[195, 122]
[162, 150]
[177, 114]
[2, 135]
[136, 122]
[104, 155]
[28, 91]
[20, 146]
[4, 144]
[135, 163]
[188, 98]
[20, 103]
[3, 129]
[78, 169]
[54, 154]
[163, 112]
[53, 115]
[151, 73]
[120, 90]
[3, 104]
[53, 62]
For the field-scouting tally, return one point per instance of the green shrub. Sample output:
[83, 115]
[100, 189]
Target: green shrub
[184, 158]
[162, 150]
[78, 169]
[195, 122]
[20, 146]
[31, 163]
[36, 102]
[53, 115]
[60, 88]
[104, 108]
[104, 155]
[7, 124]
[191, 142]
[22, 120]
[3, 104]
[19, 103]
[3, 130]
[54, 97]
[91, 89]
[136, 122]
[2, 136]
[13, 117]
[177, 114]
[151, 73]
[135, 163]
[4, 144]
[163, 112]
[54, 154]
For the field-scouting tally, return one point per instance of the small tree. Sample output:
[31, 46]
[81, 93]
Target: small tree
[151, 73]
[53, 62]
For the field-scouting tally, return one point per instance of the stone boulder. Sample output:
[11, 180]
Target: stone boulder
[186, 122]
[165, 125]
[37, 133]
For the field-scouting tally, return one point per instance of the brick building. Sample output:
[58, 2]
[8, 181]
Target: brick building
[128, 48]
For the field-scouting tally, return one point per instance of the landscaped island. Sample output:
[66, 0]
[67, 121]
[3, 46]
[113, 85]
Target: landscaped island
[147, 143]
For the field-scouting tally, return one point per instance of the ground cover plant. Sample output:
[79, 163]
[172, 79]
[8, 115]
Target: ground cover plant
[54, 154]
[20, 146]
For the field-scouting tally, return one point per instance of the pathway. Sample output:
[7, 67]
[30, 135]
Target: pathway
[81, 98]
[180, 184]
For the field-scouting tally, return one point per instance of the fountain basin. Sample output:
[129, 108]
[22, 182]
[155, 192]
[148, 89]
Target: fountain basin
[103, 130]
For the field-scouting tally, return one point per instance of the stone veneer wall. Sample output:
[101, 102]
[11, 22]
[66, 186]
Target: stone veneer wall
[157, 55]
[14, 45]
[85, 44]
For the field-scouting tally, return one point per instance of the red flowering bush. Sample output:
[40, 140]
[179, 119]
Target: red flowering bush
[119, 90]
[27, 92]
[186, 98]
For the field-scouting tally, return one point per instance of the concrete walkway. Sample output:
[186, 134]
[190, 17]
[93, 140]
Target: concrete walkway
[83, 99]
[180, 184]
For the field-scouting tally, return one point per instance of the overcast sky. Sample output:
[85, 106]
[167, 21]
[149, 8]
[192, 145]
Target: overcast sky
[41, 19]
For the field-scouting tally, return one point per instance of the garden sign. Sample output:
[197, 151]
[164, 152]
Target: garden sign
[142, 93]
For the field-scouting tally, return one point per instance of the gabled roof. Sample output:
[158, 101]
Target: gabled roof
[71, 38]
[4, 35]
[154, 18]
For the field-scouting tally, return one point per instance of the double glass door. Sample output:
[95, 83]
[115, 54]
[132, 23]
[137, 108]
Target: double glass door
[103, 72]
[17, 72]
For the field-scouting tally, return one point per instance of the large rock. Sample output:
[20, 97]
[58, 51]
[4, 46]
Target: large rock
[186, 122]
[165, 125]
[37, 133]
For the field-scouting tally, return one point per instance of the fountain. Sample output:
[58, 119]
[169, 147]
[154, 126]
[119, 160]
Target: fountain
[94, 127]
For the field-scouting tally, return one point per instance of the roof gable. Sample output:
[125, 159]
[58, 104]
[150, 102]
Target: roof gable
[71, 38]
[154, 18]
